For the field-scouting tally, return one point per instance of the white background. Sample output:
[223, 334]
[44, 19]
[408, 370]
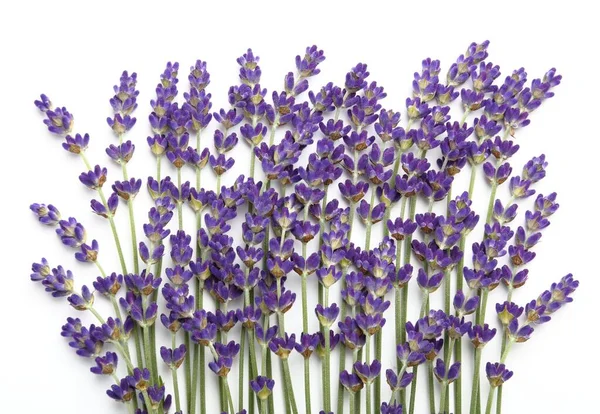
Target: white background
[75, 53]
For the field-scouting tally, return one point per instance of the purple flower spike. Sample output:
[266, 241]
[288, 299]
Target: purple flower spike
[443, 376]
[88, 253]
[71, 232]
[82, 301]
[547, 206]
[327, 316]
[262, 386]
[76, 145]
[58, 120]
[282, 347]
[94, 179]
[393, 408]
[398, 383]
[173, 357]
[518, 332]
[140, 379]
[481, 335]
[559, 294]
[58, 282]
[429, 283]
[351, 382]
[123, 392]
[47, 214]
[497, 374]
[508, 311]
[105, 365]
[43, 104]
[109, 285]
[307, 65]
[367, 372]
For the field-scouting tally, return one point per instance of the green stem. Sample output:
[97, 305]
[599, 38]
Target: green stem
[252, 161]
[187, 364]
[136, 263]
[475, 387]
[179, 202]
[148, 403]
[443, 398]
[176, 389]
[446, 387]
[147, 354]
[288, 380]
[472, 180]
[488, 219]
[134, 251]
[327, 362]
[321, 230]
[413, 390]
[377, 387]
[369, 221]
[113, 228]
[490, 400]
[431, 388]
[368, 385]
[228, 394]
[241, 370]
[404, 313]
[307, 402]
[158, 168]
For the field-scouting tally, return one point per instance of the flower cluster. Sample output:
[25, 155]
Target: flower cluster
[222, 285]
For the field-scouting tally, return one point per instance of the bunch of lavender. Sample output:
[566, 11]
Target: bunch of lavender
[220, 288]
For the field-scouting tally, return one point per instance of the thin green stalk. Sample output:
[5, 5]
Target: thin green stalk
[187, 368]
[148, 402]
[459, 286]
[158, 168]
[269, 374]
[288, 379]
[413, 390]
[327, 362]
[377, 385]
[357, 356]
[404, 313]
[252, 161]
[176, 389]
[97, 315]
[282, 362]
[367, 385]
[445, 387]
[147, 354]
[448, 343]
[113, 228]
[475, 387]
[443, 398]
[488, 219]
[179, 202]
[241, 370]
[369, 221]
[307, 402]
[431, 388]
[321, 230]
[472, 180]
[398, 291]
[100, 268]
[228, 394]
[134, 251]
[490, 400]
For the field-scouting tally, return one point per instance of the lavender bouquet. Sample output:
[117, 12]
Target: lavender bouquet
[328, 160]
